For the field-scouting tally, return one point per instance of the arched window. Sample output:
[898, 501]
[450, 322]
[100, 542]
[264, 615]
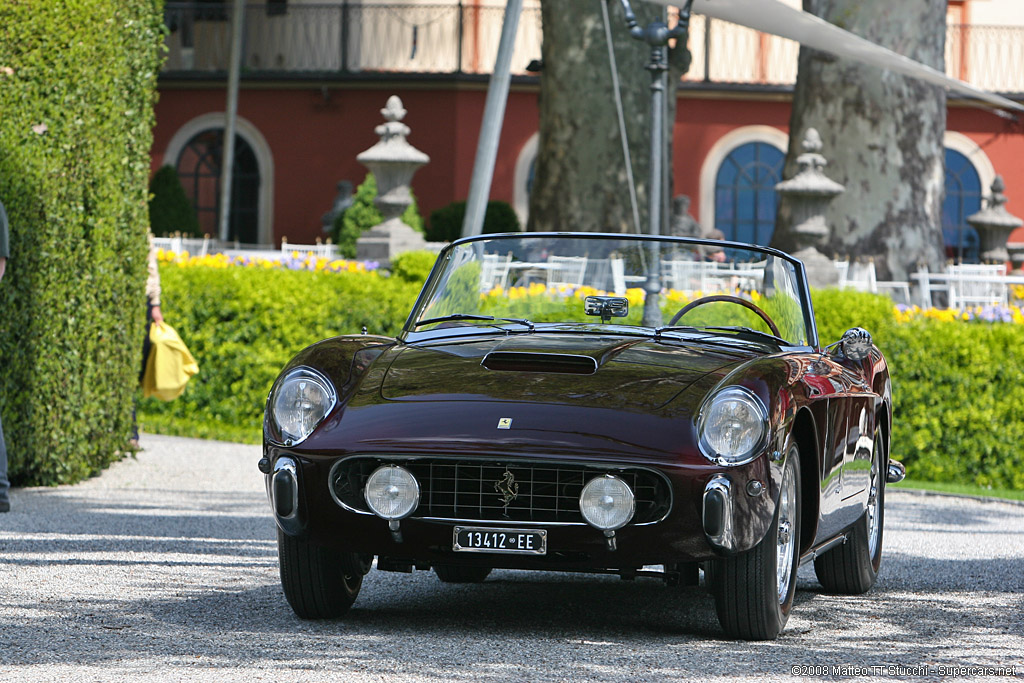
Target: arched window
[199, 167]
[963, 198]
[745, 197]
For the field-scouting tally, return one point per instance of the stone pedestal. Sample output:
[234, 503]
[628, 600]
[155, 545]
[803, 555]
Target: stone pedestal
[994, 225]
[393, 161]
[385, 240]
[808, 194]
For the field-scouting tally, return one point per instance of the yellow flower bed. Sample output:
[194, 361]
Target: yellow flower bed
[297, 261]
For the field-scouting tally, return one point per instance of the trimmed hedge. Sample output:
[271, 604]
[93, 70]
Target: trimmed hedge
[77, 83]
[446, 223]
[244, 323]
[958, 387]
[170, 210]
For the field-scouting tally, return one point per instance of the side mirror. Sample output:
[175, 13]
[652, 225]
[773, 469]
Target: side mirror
[856, 343]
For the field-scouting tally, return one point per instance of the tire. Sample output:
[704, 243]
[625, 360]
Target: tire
[450, 573]
[851, 568]
[753, 597]
[319, 583]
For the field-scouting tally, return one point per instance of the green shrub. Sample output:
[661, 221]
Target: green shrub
[363, 215]
[243, 325]
[446, 223]
[77, 83]
[170, 211]
[958, 387]
[413, 266]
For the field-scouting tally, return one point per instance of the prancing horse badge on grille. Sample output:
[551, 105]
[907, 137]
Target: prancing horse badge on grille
[505, 423]
[508, 487]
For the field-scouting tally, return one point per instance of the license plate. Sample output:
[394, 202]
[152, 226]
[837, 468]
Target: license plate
[490, 540]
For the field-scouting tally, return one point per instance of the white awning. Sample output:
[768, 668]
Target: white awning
[772, 16]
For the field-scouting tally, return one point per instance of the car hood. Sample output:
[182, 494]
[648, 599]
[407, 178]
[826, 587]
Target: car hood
[586, 370]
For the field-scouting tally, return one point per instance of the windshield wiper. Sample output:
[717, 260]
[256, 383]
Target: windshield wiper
[675, 328]
[454, 316]
[750, 330]
[482, 318]
[520, 321]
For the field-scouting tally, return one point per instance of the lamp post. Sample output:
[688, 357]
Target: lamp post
[656, 35]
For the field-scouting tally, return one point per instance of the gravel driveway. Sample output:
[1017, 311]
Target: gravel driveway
[165, 568]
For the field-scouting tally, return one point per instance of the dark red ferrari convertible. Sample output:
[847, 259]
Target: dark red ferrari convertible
[631, 405]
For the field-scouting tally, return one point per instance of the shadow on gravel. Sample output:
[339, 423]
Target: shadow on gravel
[211, 598]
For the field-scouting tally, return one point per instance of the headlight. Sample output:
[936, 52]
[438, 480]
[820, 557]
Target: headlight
[300, 402]
[732, 426]
[607, 503]
[392, 492]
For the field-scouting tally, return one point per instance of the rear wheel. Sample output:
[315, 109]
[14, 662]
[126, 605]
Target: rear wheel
[851, 568]
[754, 591]
[450, 573]
[320, 583]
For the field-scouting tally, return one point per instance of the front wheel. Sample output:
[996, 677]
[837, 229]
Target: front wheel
[320, 583]
[754, 591]
[851, 568]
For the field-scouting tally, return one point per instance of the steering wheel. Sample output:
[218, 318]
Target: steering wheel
[729, 299]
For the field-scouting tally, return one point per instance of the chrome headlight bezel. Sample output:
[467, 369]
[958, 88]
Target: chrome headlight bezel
[757, 423]
[291, 432]
[406, 486]
[621, 496]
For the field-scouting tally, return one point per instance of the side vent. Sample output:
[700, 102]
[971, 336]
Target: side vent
[513, 361]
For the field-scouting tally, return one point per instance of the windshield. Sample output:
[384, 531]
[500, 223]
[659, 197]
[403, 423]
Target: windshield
[529, 280]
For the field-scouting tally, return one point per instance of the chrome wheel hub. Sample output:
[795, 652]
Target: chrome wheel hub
[874, 529]
[786, 545]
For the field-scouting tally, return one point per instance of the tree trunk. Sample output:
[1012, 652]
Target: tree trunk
[881, 133]
[580, 180]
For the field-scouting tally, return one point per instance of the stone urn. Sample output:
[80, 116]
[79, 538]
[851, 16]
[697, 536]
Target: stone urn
[808, 194]
[393, 161]
[994, 225]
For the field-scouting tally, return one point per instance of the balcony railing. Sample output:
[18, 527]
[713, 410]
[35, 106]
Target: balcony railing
[345, 38]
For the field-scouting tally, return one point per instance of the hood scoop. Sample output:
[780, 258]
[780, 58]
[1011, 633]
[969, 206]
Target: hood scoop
[526, 361]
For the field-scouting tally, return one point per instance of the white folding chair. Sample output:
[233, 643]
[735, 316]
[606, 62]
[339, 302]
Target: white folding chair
[975, 284]
[172, 244]
[319, 250]
[494, 271]
[861, 277]
[689, 276]
[566, 271]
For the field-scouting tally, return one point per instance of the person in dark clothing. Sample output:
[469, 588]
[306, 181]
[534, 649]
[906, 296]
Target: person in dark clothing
[5, 484]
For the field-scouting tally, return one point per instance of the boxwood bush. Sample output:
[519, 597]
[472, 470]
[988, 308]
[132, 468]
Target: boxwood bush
[77, 82]
[243, 324]
[958, 386]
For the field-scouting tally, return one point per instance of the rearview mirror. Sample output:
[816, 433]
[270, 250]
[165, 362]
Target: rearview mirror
[607, 307]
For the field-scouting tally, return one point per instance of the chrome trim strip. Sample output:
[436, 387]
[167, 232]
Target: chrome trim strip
[819, 550]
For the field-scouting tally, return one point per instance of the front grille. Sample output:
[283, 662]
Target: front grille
[477, 490]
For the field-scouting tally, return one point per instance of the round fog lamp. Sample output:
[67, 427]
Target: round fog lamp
[392, 492]
[607, 503]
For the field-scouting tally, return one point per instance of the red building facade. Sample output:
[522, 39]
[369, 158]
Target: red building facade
[300, 132]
